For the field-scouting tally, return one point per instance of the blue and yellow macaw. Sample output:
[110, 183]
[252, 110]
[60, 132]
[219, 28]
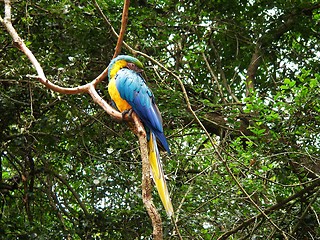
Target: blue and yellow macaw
[129, 91]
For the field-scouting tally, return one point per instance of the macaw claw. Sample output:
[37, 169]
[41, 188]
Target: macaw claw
[127, 112]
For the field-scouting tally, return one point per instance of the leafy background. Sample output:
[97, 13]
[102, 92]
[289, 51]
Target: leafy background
[251, 72]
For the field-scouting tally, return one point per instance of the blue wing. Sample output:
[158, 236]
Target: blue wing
[133, 89]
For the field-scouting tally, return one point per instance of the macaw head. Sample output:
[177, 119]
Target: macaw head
[124, 61]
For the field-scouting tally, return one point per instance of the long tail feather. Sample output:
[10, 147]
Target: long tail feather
[158, 175]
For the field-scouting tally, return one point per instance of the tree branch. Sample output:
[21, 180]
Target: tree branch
[286, 25]
[253, 67]
[215, 77]
[138, 130]
[146, 182]
[90, 89]
[74, 193]
[215, 147]
[277, 206]
[307, 209]
[124, 22]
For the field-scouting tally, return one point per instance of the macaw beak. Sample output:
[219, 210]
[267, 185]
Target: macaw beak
[134, 67]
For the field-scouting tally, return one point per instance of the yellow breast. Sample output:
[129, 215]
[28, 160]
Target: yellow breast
[116, 67]
[122, 104]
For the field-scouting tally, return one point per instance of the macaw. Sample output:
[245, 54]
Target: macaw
[129, 92]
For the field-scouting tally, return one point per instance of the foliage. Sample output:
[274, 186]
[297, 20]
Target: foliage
[69, 172]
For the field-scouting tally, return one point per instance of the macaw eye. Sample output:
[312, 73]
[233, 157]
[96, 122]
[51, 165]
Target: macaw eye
[133, 67]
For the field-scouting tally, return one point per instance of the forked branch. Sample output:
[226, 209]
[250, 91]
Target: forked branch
[90, 88]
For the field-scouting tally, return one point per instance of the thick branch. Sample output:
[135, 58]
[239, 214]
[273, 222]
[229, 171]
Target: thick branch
[146, 182]
[253, 67]
[89, 87]
[140, 132]
[99, 100]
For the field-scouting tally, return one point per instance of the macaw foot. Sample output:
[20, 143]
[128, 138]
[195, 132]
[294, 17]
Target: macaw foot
[125, 112]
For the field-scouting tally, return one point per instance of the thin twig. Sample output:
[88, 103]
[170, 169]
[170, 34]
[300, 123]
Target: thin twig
[253, 202]
[270, 209]
[182, 200]
[124, 22]
[115, 34]
[176, 227]
[74, 193]
[214, 77]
